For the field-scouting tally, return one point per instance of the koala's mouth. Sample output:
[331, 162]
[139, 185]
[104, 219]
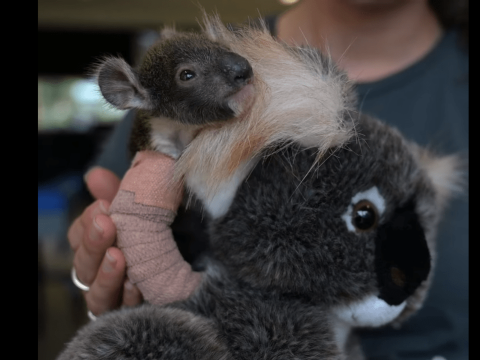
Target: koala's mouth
[241, 102]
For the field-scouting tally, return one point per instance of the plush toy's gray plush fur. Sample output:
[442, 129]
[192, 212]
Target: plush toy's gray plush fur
[148, 332]
[303, 250]
[288, 215]
[224, 319]
[286, 260]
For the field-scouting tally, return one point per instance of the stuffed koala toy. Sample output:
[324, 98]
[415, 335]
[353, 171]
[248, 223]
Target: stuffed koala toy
[313, 231]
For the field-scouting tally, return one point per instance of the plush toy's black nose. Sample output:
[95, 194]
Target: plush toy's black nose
[402, 258]
[237, 68]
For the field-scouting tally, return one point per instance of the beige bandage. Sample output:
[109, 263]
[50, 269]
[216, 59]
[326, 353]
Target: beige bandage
[142, 211]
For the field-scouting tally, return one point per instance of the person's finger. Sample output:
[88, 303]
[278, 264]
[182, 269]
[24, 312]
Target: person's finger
[76, 232]
[105, 292]
[98, 235]
[102, 183]
[131, 295]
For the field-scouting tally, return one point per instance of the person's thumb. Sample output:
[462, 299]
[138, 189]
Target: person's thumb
[102, 183]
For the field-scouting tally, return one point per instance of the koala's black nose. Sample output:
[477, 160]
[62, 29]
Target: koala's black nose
[237, 69]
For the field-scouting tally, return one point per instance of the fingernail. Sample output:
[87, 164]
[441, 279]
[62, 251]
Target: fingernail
[99, 209]
[109, 264]
[128, 285]
[96, 230]
[85, 177]
[102, 207]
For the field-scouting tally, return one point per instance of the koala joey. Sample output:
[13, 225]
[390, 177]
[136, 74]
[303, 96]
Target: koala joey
[183, 77]
[302, 250]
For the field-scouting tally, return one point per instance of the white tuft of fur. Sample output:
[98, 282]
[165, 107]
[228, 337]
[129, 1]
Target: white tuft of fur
[218, 204]
[298, 98]
[170, 137]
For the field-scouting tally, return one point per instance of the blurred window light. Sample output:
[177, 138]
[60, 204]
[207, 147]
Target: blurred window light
[72, 103]
[85, 92]
[288, 2]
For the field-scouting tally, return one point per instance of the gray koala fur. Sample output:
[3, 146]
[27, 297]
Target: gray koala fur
[294, 252]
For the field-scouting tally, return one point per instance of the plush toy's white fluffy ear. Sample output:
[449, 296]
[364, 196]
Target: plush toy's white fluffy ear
[447, 173]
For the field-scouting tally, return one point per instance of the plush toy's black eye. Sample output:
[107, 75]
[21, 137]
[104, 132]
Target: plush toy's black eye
[186, 75]
[365, 216]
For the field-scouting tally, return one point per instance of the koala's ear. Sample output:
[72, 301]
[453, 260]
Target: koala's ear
[120, 85]
[447, 173]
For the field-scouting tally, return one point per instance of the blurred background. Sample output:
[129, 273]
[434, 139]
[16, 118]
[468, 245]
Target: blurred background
[74, 122]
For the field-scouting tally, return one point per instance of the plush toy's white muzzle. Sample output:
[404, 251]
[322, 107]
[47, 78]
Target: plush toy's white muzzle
[369, 312]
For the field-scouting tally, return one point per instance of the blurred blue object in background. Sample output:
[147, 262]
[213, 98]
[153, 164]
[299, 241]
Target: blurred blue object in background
[53, 206]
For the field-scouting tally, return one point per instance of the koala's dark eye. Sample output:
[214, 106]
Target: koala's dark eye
[365, 216]
[186, 75]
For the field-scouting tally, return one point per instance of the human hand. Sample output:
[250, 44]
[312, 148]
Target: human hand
[97, 263]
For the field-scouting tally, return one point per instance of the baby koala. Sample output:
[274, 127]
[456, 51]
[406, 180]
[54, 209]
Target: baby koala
[185, 81]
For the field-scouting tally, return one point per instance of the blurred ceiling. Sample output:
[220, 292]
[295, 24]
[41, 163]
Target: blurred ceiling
[141, 14]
